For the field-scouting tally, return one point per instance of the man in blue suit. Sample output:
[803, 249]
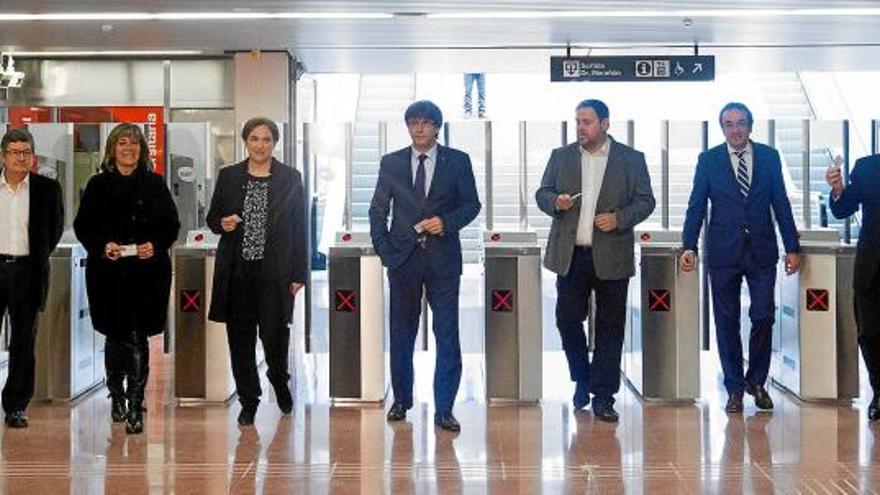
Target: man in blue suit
[430, 192]
[864, 189]
[743, 181]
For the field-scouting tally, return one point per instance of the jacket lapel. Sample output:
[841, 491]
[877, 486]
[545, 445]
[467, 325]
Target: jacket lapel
[439, 169]
[612, 168]
[724, 162]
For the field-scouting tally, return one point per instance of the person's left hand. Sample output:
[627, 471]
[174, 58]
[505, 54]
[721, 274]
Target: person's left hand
[433, 225]
[295, 287]
[145, 251]
[792, 263]
[606, 222]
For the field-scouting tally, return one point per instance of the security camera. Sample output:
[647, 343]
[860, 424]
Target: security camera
[12, 79]
[9, 77]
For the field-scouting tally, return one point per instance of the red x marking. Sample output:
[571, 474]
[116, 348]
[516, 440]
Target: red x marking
[345, 301]
[659, 299]
[502, 300]
[817, 300]
[190, 300]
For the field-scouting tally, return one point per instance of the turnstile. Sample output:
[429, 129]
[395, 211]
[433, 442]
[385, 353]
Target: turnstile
[69, 353]
[357, 320]
[202, 367]
[662, 343]
[512, 264]
[818, 356]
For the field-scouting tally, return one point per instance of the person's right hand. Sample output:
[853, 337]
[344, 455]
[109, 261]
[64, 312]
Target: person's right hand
[834, 178]
[564, 202]
[112, 251]
[230, 223]
[688, 261]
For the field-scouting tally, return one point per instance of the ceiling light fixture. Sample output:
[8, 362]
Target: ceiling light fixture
[189, 16]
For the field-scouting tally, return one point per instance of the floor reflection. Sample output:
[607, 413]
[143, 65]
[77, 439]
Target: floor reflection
[503, 447]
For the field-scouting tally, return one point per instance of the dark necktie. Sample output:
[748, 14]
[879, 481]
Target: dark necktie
[420, 178]
[742, 173]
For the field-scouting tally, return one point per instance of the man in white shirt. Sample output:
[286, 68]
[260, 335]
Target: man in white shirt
[596, 190]
[31, 221]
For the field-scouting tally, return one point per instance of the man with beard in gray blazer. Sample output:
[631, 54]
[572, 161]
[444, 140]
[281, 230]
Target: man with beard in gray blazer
[596, 190]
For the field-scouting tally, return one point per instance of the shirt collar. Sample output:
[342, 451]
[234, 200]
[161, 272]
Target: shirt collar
[603, 152]
[23, 184]
[431, 153]
[747, 149]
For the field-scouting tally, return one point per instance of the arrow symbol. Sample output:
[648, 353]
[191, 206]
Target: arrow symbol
[698, 67]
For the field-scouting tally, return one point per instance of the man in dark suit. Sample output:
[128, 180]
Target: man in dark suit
[31, 221]
[743, 180]
[864, 189]
[596, 190]
[430, 192]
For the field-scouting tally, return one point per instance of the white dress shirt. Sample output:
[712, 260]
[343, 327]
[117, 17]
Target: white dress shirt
[430, 163]
[592, 173]
[15, 205]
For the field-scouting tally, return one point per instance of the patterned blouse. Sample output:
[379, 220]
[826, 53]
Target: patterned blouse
[256, 208]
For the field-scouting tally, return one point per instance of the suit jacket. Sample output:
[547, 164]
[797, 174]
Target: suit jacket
[126, 210]
[626, 191]
[452, 196]
[284, 260]
[863, 189]
[45, 224]
[735, 219]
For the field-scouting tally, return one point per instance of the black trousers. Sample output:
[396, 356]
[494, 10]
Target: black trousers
[254, 310]
[16, 298]
[866, 301]
[573, 291]
[127, 358]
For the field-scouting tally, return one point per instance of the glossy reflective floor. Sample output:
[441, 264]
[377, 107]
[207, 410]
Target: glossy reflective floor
[690, 448]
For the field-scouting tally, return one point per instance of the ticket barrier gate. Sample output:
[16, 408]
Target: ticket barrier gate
[202, 366]
[357, 320]
[69, 353]
[818, 355]
[513, 346]
[662, 343]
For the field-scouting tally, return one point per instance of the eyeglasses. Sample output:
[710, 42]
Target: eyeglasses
[739, 124]
[20, 153]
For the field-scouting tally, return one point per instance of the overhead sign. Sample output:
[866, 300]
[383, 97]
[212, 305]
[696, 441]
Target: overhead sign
[635, 68]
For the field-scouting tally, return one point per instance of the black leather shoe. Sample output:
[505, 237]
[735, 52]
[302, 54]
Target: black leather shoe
[397, 412]
[285, 400]
[581, 397]
[134, 421]
[447, 421]
[605, 413]
[16, 419]
[762, 398]
[118, 411]
[874, 408]
[246, 416]
[734, 403]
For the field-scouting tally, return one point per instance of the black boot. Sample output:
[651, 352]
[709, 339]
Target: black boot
[114, 364]
[139, 370]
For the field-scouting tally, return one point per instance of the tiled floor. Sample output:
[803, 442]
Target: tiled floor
[691, 448]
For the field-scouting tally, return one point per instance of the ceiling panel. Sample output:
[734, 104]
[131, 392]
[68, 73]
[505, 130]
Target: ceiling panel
[334, 44]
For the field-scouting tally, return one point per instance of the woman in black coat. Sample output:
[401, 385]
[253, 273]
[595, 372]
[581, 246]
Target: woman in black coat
[258, 211]
[127, 222]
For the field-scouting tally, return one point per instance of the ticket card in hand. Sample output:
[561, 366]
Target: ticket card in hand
[126, 250]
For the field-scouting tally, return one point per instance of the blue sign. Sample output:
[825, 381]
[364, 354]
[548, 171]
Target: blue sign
[633, 68]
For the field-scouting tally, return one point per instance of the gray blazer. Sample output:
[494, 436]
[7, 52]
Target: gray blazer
[626, 190]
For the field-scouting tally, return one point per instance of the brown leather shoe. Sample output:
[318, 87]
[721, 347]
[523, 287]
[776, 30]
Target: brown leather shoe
[734, 403]
[762, 398]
